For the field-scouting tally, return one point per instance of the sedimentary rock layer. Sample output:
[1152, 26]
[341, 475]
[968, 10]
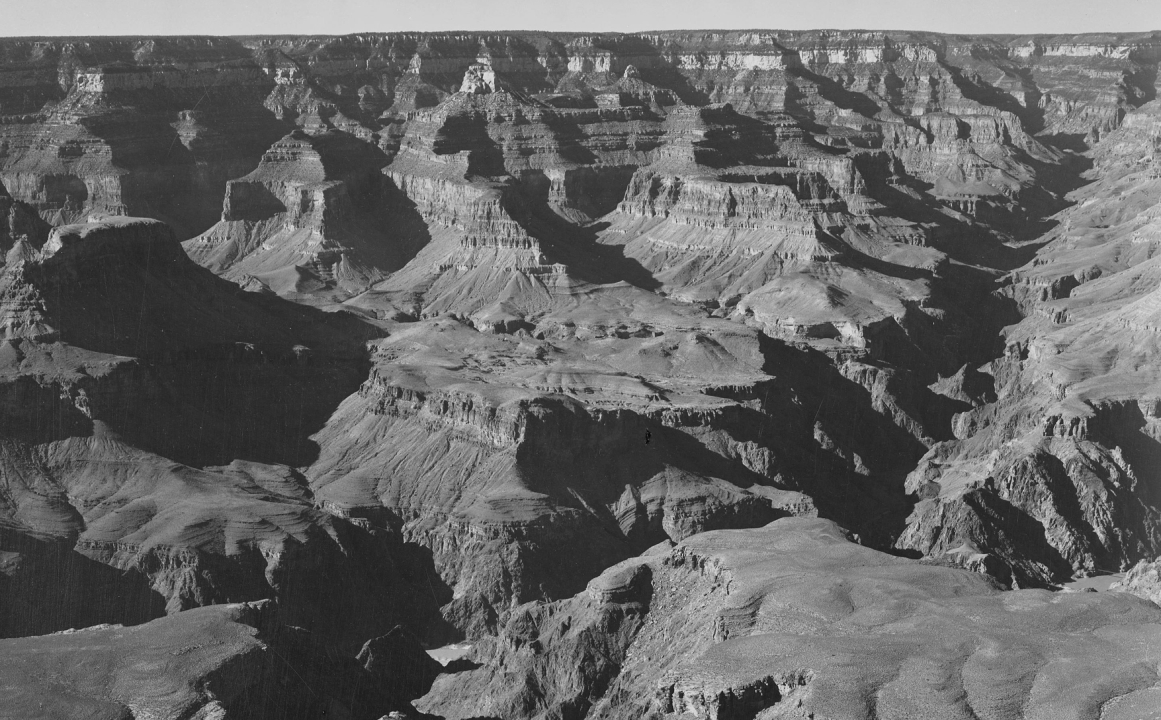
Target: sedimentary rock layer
[524, 339]
[793, 620]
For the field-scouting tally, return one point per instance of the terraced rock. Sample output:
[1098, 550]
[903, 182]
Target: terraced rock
[525, 339]
[217, 662]
[794, 620]
[1058, 476]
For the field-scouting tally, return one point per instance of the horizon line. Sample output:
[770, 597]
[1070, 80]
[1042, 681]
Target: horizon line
[1154, 31]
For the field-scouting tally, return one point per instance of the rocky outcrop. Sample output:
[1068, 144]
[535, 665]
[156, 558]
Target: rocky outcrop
[113, 149]
[97, 380]
[309, 220]
[578, 315]
[1143, 580]
[497, 477]
[399, 664]
[793, 618]
[221, 661]
[22, 232]
[545, 447]
[153, 127]
[1064, 461]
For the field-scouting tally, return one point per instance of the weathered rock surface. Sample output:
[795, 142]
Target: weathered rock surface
[122, 359]
[224, 661]
[793, 620]
[1143, 580]
[576, 296]
[310, 219]
[501, 452]
[1059, 475]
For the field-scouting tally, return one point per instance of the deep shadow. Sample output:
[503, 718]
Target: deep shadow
[47, 586]
[989, 96]
[962, 238]
[1074, 142]
[833, 91]
[170, 177]
[576, 246]
[1017, 537]
[220, 373]
[406, 228]
[304, 678]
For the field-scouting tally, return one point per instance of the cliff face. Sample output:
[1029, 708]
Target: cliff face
[310, 219]
[223, 661]
[114, 477]
[156, 127]
[1070, 440]
[526, 339]
[149, 127]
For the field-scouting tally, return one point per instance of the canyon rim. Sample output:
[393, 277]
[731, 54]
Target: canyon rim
[687, 374]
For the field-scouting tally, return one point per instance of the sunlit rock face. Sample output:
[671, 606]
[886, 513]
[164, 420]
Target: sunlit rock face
[793, 619]
[702, 374]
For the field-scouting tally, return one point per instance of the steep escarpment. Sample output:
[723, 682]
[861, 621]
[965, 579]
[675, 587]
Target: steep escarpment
[139, 320]
[487, 472]
[1143, 580]
[21, 230]
[525, 339]
[503, 185]
[310, 219]
[156, 126]
[500, 452]
[112, 377]
[152, 127]
[1064, 461]
[864, 226]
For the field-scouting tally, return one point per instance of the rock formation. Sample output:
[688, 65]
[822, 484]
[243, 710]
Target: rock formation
[1143, 580]
[793, 620]
[112, 332]
[741, 374]
[219, 662]
[1070, 442]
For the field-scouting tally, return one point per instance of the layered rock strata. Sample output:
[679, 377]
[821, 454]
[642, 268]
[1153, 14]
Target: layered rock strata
[793, 620]
[620, 292]
[223, 661]
[309, 220]
[105, 351]
[1058, 475]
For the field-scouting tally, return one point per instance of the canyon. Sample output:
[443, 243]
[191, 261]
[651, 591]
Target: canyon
[705, 374]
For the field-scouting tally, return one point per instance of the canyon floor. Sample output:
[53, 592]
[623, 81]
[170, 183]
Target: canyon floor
[726, 375]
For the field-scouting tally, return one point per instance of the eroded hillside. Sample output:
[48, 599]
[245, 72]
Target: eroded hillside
[505, 338]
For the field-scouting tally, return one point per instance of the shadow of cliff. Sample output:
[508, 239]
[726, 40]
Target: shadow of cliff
[840, 420]
[962, 238]
[834, 92]
[402, 224]
[46, 586]
[1017, 537]
[182, 180]
[361, 587]
[210, 411]
[1143, 82]
[220, 374]
[990, 96]
[658, 71]
[809, 429]
[577, 246]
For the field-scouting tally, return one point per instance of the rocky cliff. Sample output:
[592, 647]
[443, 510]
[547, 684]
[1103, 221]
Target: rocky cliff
[111, 333]
[225, 661]
[1070, 439]
[525, 340]
[792, 620]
